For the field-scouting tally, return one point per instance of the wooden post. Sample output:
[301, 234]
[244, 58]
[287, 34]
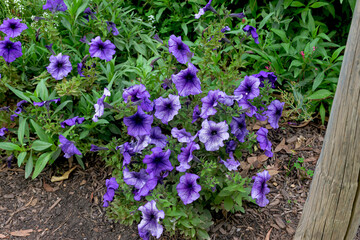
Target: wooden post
[332, 210]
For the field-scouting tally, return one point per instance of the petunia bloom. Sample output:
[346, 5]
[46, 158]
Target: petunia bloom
[231, 164]
[12, 27]
[150, 220]
[210, 102]
[266, 76]
[260, 188]
[238, 127]
[127, 150]
[167, 108]
[136, 179]
[226, 28]
[186, 81]
[10, 50]
[237, 15]
[188, 189]
[68, 147]
[99, 106]
[186, 156]
[111, 186]
[59, 66]
[157, 138]
[138, 95]
[274, 112]
[55, 5]
[111, 27]
[72, 121]
[251, 30]
[2, 131]
[249, 88]
[103, 50]
[196, 114]
[88, 12]
[179, 49]
[158, 161]
[95, 148]
[264, 142]
[249, 109]
[213, 134]
[230, 145]
[182, 135]
[207, 7]
[139, 123]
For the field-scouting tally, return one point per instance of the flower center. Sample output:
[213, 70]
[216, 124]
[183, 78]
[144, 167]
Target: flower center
[59, 64]
[180, 47]
[189, 77]
[214, 132]
[13, 26]
[9, 45]
[101, 46]
[138, 119]
[168, 106]
[152, 217]
[158, 159]
[189, 186]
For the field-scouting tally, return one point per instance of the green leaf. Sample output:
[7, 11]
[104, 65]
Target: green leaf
[297, 4]
[202, 234]
[41, 134]
[158, 15]
[18, 93]
[265, 20]
[41, 163]
[84, 134]
[80, 161]
[61, 106]
[40, 145]
[185, 28]
[42, 90]
[81, 8]
[281, 33]
[9, 146]
[318, 80]
[228, 203]
[320, 94]
[324, 36]
[29, 166]
[336, 53]
[21, 131]
[20, 158]
[319, 4]
[295, 63]
[322, 114]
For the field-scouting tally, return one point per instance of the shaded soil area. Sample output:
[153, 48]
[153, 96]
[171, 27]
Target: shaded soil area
[72, 208]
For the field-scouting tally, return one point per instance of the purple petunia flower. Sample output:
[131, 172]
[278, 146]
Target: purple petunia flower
[196, 114]
[139, 95]
[2, 131]
[46, 103]
[144, 191]
[238, 127]
[157, 38]
[111, 185]
[180, 50]
[68, 147]
[249, 88]
[127, 150]
[95, 148]
[186, 81]
[264, 142]
[229, 100]
[246, 105]
[231, 164]
[141, 143]
[99, 106]
[188, 189]
[263, 76]
[18, 110]
[150, 220]
[72, 121]
[10, 50]
[213, 134]
[55, 5]
[237, 15]
[251, 30]
[186, 156]
[88, 12]
[274, 113]
[157, 138]
[167, 108]
[182, 135]
[226, 28]
[230, 145]
[59, 66]
[210, 102]
[260, 115]
[12, 27]
[207, 7]
[111, 27]
[136, 179]
[260, 188]
[103, 50]
[158, 161]
[139, 123]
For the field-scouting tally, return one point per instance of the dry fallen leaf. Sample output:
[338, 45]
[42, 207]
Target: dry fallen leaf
[63, 177]
[272, 170]
[2, 236]
[251, 160]
[303, 124]
[48, 188]
[280, 146]
[268, 234]
[262, 158]
[311, 159]
[299, 142]
[22, 233]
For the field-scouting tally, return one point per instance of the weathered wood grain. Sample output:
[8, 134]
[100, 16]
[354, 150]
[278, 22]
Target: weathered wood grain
[332, 210]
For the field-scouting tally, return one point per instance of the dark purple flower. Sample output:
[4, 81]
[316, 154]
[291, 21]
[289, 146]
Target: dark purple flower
[167, 108]
[103, 50]
[158, 161]
[264, 142]
[95, 148]
[46, 103]
[166, 84]
[136, 179]
[157, 138]
[230, 145]
[84, 40]
[99, 106]
[59, 66]
[141, 143]
[226, 28]
[238, 127]
[188, 189]
[179, 49]
[150, 220]
[144, 191]
[139, 95]
[274, 113]
[157, 38]
[182, 135]
[260, 115]
[249, 88]
[238, 15]
[196, 114]
[88, 12]
[111, 185]
[229, 100]
[213, 134]
[260, 188]
[210, 102]
[12, 117]
[263, 76]
[2, 131]
[12, 27]
[127, 150]
[18, 110]
[139, 123]
[248, 107]
[80, 70]
[72, 121]
[9, 159]
[55, 5]
[231, 164]
[10, 50]
[251, 30]
[207, 7]
[111, 27]
[68, 147]
[186, 156]
[19, 104]
[186, 81]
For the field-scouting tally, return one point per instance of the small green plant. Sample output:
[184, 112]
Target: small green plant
[299, 165]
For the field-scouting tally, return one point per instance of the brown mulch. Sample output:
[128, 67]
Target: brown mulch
[72, 209]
